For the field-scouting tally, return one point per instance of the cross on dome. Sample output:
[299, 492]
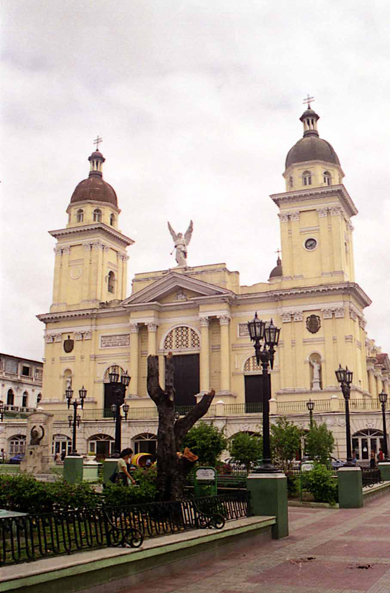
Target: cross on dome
[308, 100]
[97, 141]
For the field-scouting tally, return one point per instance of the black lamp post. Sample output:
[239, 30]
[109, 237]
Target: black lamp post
[344, 377]
[265, 337]
[383, 399]
[310, 406]
[1, 410]
[75, 421]
[120, 390]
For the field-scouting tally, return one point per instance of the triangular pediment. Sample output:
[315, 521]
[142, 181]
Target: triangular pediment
[183, 287]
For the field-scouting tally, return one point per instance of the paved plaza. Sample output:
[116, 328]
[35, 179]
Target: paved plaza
[328, 551]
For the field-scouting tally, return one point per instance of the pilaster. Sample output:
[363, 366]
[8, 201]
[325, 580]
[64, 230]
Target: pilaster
[134, 354]
[152, 338]
[224, 321]
[204, 355]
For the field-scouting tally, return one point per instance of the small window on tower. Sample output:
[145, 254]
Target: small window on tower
[112, 219]
[80, 215]
[97, 215]
[327, 178]
[111, 282]
[306, 178]
[291, 181]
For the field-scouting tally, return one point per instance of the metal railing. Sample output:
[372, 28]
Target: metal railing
[371, 476]
[361, 404]
[253, 408]
[31, 537]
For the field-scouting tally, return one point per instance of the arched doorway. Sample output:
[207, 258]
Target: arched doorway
[145, 443]
[253, 386]
[61, 444]
[184, 342]
[101, 445]
[365, 441]
[16, 444]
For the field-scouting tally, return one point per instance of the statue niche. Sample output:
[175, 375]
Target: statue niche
[315, 372]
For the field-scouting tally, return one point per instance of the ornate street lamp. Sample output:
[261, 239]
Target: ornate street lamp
[383, 399]
[310, 406]
[265, 337]
[120, 387]
[1, 410]
[344, 377]
[75, 421]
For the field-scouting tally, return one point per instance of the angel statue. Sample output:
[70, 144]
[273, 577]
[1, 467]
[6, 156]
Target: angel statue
[181, 243]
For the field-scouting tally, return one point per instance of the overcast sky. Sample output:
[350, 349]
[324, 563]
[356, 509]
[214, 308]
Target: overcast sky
[198, 103]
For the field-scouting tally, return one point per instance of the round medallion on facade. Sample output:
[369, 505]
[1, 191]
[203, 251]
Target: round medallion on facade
[313, 323]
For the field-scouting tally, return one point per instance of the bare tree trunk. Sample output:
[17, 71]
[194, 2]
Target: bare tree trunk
[171, 468]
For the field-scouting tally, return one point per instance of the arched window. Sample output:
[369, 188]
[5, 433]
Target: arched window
[251, 365]
[364, 442]
[97, 215]
[25, 400]
[111, 282]
[102, 445]
[327, 178]
[10, 398]
[306, 176]
[181, 338]
[61, 444]
[145, 443]
[80, 215]
[112, 219]
[17, 444]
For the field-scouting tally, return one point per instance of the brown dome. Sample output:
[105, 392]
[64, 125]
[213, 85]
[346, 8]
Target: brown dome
[96, 189]
[278, 270]
[312, 148]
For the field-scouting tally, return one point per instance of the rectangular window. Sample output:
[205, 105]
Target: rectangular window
[25, 371]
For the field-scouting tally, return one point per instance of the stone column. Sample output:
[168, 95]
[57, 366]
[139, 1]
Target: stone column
[204, 355]
[224, 321]
[133, 387]
[152, 338]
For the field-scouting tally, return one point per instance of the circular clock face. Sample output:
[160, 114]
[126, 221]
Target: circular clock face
[310, 244]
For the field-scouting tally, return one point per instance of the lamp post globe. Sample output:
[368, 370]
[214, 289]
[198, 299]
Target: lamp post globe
[310, 406]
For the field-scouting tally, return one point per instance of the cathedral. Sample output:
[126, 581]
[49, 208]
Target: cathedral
[200, 314]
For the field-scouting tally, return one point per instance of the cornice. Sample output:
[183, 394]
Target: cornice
[87, 229]
[315, 193]
[83, 313]
[351, 288]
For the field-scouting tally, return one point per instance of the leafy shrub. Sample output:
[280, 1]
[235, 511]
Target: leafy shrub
[26, 494]
[246, 448]
[285, 442]
[292, 484]
[319, 443]
[320, 483]
[117, 495]
[207, 442]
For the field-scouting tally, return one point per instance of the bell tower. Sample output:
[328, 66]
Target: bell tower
[315, 212]
[90, 254]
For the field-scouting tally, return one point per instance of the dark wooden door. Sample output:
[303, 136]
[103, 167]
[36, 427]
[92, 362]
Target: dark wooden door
[186, 379]
[253, 393]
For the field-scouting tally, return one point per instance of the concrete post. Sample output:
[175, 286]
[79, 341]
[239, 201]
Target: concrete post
[334, 404]
[350, 487]
[273, 406]
[384, 467]
[269, 497]
[109, 466]
[73, 469]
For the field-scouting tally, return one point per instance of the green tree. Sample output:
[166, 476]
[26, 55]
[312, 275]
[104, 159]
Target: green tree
[285, 442]
[207, 442]
[246, 448]
[319, 443]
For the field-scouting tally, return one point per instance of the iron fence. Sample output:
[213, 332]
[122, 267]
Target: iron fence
[371, 476]
[31, 537]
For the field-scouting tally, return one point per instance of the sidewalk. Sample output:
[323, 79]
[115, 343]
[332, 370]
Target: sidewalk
[328, 551]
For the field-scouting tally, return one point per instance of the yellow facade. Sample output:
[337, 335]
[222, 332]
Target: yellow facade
[203, 310]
